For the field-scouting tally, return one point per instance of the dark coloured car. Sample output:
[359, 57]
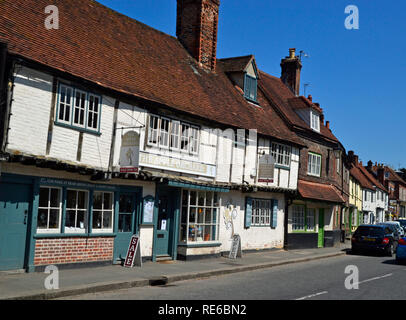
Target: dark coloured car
[402, 224]
[378, 238]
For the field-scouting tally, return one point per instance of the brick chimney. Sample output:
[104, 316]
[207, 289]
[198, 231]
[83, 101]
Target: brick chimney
[291, 67]
[196, 29]
[381, 174]
[353, 158]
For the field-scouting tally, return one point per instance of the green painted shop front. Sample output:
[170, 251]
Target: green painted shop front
[19, 211]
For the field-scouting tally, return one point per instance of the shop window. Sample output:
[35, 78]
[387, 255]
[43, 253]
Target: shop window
[200, 216]
[303, 220]
[49, 210]
[76, 211]
[102, 212]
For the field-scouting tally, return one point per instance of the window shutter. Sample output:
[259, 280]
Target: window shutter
[274, 222]
[248, 212]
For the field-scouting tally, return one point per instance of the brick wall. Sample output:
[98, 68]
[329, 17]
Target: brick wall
[73, 250]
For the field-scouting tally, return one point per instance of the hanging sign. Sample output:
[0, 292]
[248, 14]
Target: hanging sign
[235, 248]
[130, 152]
[134, 253]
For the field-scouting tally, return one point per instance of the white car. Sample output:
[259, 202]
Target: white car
[398, 226]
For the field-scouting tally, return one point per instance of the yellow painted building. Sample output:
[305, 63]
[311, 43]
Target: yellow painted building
[355, 201]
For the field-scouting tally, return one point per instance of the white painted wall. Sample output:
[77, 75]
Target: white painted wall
[254, 237]
[30, 120]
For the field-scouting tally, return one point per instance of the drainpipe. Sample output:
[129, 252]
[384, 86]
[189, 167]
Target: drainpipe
[3, 94]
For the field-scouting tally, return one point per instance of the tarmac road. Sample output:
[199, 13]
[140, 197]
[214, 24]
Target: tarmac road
[379, 278]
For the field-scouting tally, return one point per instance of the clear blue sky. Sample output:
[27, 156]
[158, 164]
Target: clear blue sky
[357, 76]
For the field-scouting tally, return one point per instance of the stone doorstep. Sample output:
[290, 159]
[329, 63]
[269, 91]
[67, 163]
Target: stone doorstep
[162, 280]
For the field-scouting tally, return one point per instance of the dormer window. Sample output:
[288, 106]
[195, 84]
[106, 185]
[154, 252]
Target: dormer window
[315, 121]
[250, 88]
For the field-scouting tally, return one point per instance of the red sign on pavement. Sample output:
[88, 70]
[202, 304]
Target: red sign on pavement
[133, 252]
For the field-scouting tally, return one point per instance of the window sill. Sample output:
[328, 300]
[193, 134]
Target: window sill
[199, 244]
[73, 235]
[280, 166]
[80, 129]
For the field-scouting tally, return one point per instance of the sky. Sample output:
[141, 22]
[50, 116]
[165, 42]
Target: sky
[357, 75]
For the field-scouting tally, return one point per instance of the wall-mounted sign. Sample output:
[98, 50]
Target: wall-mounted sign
[129, 152]
[133, 253]
[148, 210]
[266, 168]
[160, 161]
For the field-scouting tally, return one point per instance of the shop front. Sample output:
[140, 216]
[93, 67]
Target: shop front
[67, 222]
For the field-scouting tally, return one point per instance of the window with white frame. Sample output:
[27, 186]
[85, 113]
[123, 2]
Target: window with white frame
[200, 216]
[315, 121]
[338, 165]
[102, 211]
[78, 109]
[76, 211]
[49, 210]
[194, 140]
[164, 133]
[153, 129]
[65, 104]
[314, 164]
[298, 218]
[93, 112]
[303, 220]
[184, 139]
[261, 212]
[175, 133]
[281, 154]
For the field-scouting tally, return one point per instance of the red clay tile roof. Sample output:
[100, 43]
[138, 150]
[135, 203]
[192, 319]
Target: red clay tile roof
[303, 103]
[100, 45]
[282, 97]
[360, 177]
[393, 176]
[371, 178]
[319, 191]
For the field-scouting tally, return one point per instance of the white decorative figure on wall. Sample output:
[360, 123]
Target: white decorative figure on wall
[230, 214]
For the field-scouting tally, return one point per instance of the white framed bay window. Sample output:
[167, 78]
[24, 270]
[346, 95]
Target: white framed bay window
[173, 135]
[200, 216]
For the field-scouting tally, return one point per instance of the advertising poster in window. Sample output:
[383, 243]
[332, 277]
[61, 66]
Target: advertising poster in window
[266, 167]
[130, 152]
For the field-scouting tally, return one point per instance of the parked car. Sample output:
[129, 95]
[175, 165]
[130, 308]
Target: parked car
[378, 238]
[401, 251]
[402, 224]
[395, 224]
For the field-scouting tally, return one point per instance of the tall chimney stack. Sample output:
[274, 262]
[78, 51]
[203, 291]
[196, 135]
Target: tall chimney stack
[196, 29]
[291, 68]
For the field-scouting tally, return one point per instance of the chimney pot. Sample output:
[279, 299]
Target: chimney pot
[291, 68]
[328, 124]
[310, 98]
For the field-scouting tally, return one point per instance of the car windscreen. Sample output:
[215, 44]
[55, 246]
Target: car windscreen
[402, 222]
[369, 231]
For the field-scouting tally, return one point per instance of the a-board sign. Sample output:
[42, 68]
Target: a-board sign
[235, 247]
[133, 253]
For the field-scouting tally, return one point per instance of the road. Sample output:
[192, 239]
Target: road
[379, 278]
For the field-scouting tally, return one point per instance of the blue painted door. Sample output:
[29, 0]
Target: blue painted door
[14, 210]
[166, 229]
[127, 223]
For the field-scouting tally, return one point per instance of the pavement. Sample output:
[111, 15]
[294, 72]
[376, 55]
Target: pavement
[31, 286]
